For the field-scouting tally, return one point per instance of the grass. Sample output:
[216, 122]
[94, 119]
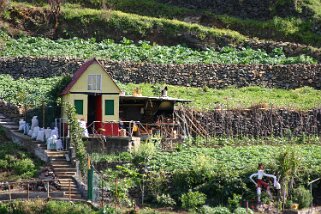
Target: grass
[293, 29]
[206, 98]
[144, 25]
[305, 98]
[15, 162]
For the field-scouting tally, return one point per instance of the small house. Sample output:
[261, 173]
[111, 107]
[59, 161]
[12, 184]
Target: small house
[93, 93]
[99, 102]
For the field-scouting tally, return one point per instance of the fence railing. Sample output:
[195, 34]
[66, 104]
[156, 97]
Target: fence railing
[45, 188]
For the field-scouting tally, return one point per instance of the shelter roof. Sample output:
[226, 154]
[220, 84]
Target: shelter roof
[171, 99]
[82, 70]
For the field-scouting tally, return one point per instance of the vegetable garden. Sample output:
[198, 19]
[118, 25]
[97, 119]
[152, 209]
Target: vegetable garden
[220, 174]
[144, 51]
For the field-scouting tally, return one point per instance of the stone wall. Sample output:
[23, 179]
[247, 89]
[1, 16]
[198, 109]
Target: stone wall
[10, 110]
[260, 122]
[213, 75]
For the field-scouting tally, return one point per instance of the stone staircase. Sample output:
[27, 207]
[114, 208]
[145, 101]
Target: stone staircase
[63, 169]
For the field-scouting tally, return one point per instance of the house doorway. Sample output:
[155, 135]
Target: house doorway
[94, 109]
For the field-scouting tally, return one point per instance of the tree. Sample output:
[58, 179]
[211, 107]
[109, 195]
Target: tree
[55, 7]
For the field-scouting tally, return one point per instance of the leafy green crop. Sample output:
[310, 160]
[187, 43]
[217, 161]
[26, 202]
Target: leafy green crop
[32, 91]
[143, 52]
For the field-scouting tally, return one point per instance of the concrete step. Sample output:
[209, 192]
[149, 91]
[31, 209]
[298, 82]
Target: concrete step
[58, 159]
[3, 119]
[65, 174]
[55, 154]
[66, 186]
[61, 165]
[64, 169]
[10, 126]
[73, 196]
[71, 192]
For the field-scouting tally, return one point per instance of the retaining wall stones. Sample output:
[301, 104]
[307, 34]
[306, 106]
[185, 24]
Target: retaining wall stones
[10, 110]
[213, 75]
[260, 122]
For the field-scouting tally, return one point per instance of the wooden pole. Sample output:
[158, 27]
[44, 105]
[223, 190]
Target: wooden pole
[48, 190]
[102, 193]
[9, 192]
[69, 190]
[28, 190]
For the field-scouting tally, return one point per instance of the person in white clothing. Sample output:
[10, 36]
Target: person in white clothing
[260, 183]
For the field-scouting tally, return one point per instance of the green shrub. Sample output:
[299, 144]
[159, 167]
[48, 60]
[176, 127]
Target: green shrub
[302, 196]
[23, 166]
[4, 164]
[192, 200]
[242, 210]
[234, 202]
[144, 152]
[165, 200]
[214, 210]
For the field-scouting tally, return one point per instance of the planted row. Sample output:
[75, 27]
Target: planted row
[144, 52]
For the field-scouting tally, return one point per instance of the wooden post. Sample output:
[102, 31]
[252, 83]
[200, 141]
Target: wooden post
[9, 191]
[69, 190]
[247, 207]
[102, 193]
[43, 114]
[28, 190]
[48, 190]
[116, 187]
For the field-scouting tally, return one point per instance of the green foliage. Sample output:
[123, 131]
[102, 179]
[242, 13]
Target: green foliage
[288, 163]
[193, 200]
[242, 210]
[302, 196]
[165, 200]
[16, 162]
[294, 28]
[40, 206]
[144, 152]
[32, 91]
[76, 136]
[120, 181]
[109, 210]
[25, 167]
[143, 51]
[214, 210]
[230, 167]
[234, 203]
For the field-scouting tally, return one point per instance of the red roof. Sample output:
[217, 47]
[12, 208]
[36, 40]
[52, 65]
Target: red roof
[78, 74]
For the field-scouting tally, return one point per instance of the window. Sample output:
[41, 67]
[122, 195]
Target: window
[109, 107]
[94, 82]
[79, 106]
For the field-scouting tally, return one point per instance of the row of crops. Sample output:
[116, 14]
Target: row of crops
[143, 51]
[218, 173]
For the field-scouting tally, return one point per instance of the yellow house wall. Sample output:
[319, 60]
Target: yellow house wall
[108, 86]
[116, 107]
[70, 98]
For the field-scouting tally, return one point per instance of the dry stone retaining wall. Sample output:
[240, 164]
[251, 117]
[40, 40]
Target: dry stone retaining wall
[212, 75]
[260, 122]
